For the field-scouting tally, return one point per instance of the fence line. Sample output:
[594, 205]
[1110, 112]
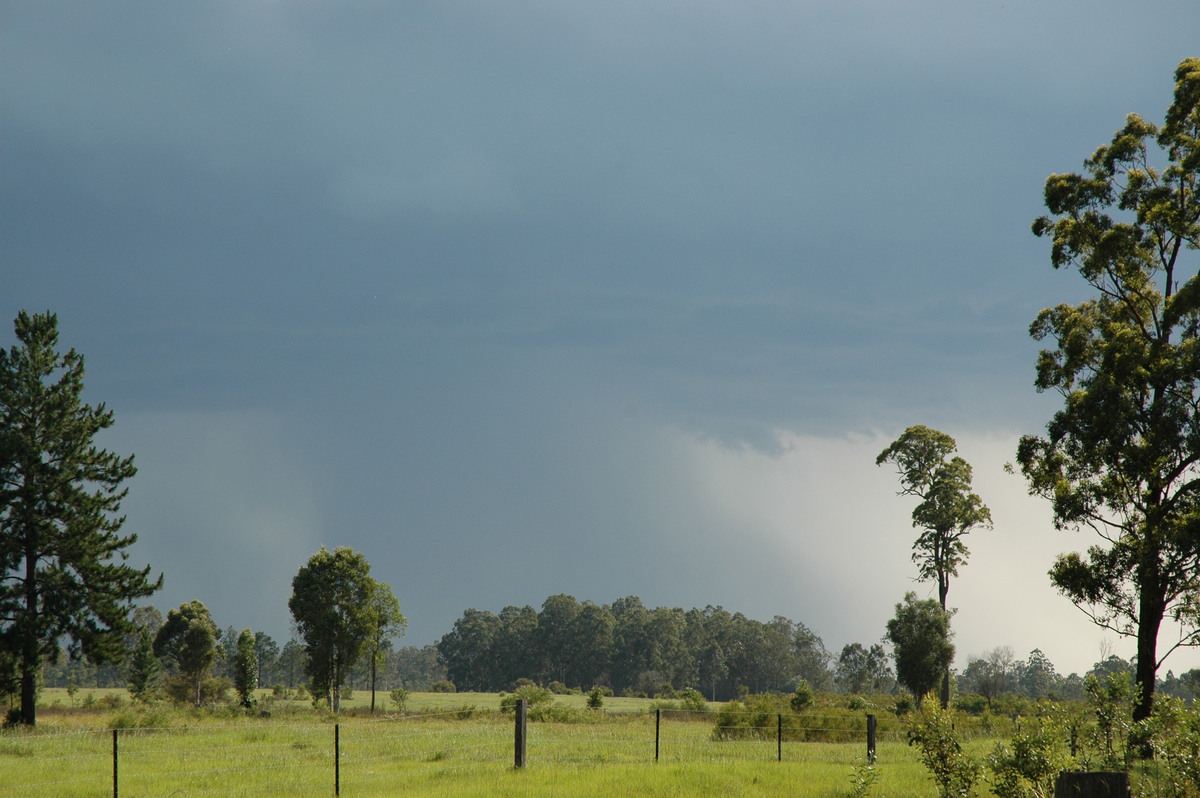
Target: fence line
[319, 757]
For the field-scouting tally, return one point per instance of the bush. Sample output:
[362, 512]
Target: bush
[952, 770]
[692, 700]
[971, 703]
[443, 687]
[802, 698]
[181, 690]
[399, 697]
[1030, 765]
[558, 688]
[532, 694]
[904, 705]
[757, 717]
[595, 699]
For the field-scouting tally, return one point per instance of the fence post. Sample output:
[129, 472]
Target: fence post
[337, 759]
[779, 737]
[871, 739]
[657, 723]
[115, 781]
[519, 735]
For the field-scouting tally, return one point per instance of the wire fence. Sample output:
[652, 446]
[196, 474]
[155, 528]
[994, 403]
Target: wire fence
[378, 756]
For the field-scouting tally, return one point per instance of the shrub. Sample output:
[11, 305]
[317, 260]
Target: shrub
[443, 687]
[802, 698]
[952, 770]
[399, 697]
[904, 705]
[757, 717]
[692, 700]
[558, 713]
[213, 690]
[971, 703]
[558, 688]
[523, 682]
[532, 694]
[1028, 767]
[595, 699]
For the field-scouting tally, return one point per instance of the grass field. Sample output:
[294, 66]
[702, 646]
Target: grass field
[437, 748]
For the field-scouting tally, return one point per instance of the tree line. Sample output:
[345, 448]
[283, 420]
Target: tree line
[630, 647]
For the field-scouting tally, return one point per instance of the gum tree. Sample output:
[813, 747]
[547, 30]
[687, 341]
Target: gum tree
[1121, 458]
[947, 512]
[338, 609]
[189, 640]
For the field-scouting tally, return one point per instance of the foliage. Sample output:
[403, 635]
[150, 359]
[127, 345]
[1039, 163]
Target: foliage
[802, 698]
[189, 640]
[530, 693]
[692, 700]
[1122, 456]
[245, 678]
[595, 699]
[1111, 698]
[635, 649]
[948, 510]
[184, 690]
[61, 569]
[920, 635]
[399, 698]
[862, 779]
[443, 687]
[1174, 734]
[385, 622]
[757, 717]
[334, 605]
[952, 769]
[145, 671]
[863, 670]
[1027, 767]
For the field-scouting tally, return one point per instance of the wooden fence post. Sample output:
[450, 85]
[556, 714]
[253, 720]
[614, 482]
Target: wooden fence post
[657, 724]
[115, 782]
[337, 759]
[519, 735]
[1102, 784]
[779, 737]
[871, 723]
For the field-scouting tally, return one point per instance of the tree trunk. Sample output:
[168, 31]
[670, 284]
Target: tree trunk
[1150, 616]
[30, 661]
[373, 657]
[943, 591]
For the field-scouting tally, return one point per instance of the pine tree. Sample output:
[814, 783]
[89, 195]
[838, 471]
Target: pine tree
[145, 670]
[61, 569]
[245, 668]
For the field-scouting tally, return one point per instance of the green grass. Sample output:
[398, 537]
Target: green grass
[423, 753]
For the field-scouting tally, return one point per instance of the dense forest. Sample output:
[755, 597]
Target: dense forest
[635, 650]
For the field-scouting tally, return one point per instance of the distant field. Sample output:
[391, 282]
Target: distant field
[424, 753]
